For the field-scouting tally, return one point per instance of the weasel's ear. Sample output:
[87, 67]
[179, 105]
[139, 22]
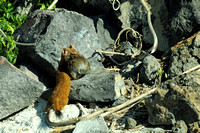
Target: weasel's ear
[71, 46]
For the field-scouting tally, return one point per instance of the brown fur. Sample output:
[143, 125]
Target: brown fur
[59, 97]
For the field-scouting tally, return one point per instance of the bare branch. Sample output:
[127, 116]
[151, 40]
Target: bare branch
[18, 43]
[155, 45]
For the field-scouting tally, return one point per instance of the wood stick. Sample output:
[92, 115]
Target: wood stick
[192, 69]
[107, 111]
[108, 52]
[114, 109]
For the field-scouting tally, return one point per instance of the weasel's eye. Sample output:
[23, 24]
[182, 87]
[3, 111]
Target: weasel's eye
[65, 52]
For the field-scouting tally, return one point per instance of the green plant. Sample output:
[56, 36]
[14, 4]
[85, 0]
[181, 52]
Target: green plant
[161, 72]
[10, 20]
[44, 4]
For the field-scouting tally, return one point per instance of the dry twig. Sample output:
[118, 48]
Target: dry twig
[103, 112]
[117, 44]
[190, 70]
[111, 53]
[135, 34]
[52, 4]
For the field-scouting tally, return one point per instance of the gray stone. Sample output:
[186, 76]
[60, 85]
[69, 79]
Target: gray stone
[149, 70]
[180, 127]
[179, 102]
[31, 119]
[53, 30]
[130, 123]
[30, 71]
[133, 15]
[70, 111]
[184, 19]
[18, 90]
[96, 125]
[100, 86]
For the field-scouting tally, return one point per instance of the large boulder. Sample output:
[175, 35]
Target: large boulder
[132, 14]
[52, 30]
[184, 56]
[178, 103]
[18, 90]
[97, 86]
[184, 19]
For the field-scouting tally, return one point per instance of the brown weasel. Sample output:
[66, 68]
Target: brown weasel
[75, 65]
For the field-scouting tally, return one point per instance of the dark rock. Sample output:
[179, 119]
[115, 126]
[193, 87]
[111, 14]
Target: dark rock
[180, 127]
[130, 123]
[181, 102]
[97, 86]
[18, 90]
[127, 48]
[53, 30]
[86, 7]
[96, 125]
[191, 79]
[184, 19]
[149, 70]
[133, 15]
[185, 56]
[131, 70]
[106, 29]
[159, 115]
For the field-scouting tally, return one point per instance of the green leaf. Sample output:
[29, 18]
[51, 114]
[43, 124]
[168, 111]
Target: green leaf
[10, 20]
[166, 76]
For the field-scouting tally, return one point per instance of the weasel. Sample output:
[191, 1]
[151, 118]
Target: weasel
[71, 66]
